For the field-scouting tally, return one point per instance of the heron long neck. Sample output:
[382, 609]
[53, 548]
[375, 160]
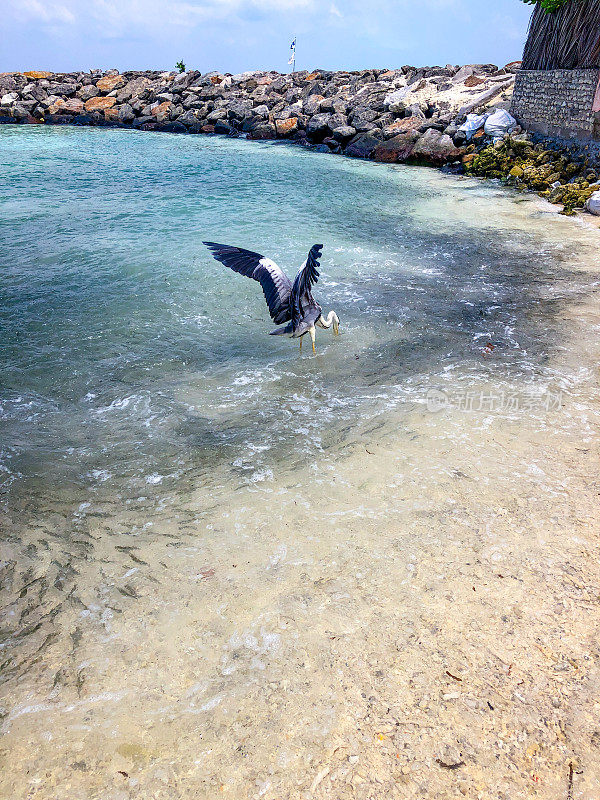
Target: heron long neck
[328, 320]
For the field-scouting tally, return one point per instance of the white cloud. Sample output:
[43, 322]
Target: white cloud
[46, 12]
[119, 16]
[335, 11]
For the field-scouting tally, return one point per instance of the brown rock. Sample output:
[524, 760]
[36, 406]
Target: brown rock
[37, 74]
[466, 159]
[216, 79]
[473, 80]
[71, 106]
[110, 82]
[312, 76]
[100, 103]
[478, 135]
[401, 126]
[397, 149]
[208, 129]
[286, 127]
[111, 113]
[161, 112]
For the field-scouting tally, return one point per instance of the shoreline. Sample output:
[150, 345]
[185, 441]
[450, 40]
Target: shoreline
[409, 115]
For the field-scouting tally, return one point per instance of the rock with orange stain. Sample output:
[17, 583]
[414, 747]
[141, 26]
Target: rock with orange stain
[473, 80]
[286, 127]
[71, 106]
[401, 126]
[100, 103]
[110, 82]
[38, 74]
[162, 111]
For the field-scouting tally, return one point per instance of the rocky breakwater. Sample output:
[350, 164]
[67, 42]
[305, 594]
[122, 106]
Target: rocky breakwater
[408, 114]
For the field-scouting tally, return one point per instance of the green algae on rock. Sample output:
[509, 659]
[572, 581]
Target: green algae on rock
[534, 167]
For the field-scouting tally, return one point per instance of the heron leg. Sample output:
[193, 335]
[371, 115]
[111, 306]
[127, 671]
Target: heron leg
[312, 337]
[300, 344]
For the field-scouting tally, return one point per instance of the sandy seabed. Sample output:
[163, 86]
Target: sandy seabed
[382, 627]
[415, 614]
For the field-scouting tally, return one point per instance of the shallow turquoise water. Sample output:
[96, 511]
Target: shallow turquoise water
[127, 352]
[195, 516]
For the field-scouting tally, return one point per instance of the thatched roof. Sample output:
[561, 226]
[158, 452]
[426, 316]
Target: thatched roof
[565, 39]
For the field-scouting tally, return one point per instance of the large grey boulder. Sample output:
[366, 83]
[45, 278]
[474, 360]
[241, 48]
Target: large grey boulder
[462, 74]
[224, 128]
[35, 92]
[189, 117]
[318, 126]
[435, 147]
[238, 109]
[362, 118]
[396, 101]
[63, 89]
[344, 133]
[125, 113]
[216, 114]
[362, 146]
[264, 130]
[312, 104]
[9, 99]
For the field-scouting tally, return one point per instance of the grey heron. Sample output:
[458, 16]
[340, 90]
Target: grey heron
[291, 305]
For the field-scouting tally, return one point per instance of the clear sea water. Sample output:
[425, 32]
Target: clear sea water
[170, 474]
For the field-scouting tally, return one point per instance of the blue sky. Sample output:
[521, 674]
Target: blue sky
[235, 35]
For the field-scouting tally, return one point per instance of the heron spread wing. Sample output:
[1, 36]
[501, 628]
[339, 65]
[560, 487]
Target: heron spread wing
[301, 297]
[276, 285]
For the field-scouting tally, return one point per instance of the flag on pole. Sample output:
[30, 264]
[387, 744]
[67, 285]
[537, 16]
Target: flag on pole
[293, 53]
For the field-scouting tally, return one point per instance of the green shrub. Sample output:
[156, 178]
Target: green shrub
[548, 5]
